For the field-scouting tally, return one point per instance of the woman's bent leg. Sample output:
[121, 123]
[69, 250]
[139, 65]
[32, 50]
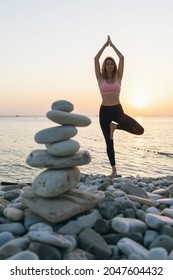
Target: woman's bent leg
[130, 125]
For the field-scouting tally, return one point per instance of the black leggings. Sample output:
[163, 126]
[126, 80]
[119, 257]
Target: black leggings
[115, 113]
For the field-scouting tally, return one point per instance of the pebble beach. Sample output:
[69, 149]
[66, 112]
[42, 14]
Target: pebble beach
[68, 215]
[133, 220]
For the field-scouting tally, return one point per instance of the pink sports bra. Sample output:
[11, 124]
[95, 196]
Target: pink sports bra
[110, 88]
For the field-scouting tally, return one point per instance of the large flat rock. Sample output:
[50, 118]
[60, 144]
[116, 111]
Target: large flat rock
[42, 159]
[63, 207]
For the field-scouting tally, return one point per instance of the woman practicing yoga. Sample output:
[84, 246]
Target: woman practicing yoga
[109, 80]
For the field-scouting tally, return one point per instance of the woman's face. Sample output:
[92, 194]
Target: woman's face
[110, 65]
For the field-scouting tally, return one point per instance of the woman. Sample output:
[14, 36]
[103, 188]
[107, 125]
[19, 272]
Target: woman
[109, 81]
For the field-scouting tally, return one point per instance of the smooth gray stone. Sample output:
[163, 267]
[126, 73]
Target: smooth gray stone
[164, 241]
[141, 200]
[102, 226]
[168, 201]
[150, 235]
[108, 207]
[63, 148]
[41, 227]
[5, 237]
[78, 254]
[90, 219]
[41, 159]
[153, 210]
[45, 251]
[32, 218]
[133, 190]
[3, 202]
[8, 250]
[157, 254]
[62, 105]
[166, 229]
[65, 118]
[72, 227]
[127, 246]
[89, 239]
[125, 225]
[13, 214]
[11, 195]
[62, 207]
[50, 238]
[156, 221]
[161, 191]
[15, 228]
[55, 134]
[168, 212]
[20, 242]
[25, 255]
[52, 183]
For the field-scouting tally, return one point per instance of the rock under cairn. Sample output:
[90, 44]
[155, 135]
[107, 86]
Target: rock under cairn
[52, 194]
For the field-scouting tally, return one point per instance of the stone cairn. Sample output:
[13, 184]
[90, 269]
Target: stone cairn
[54, 194]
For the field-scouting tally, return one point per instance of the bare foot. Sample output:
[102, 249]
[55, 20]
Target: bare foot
[113, 174]
[113, 126]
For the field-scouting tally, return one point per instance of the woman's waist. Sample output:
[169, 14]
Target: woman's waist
[110, 100]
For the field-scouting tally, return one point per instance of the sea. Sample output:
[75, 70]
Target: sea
[148, 155]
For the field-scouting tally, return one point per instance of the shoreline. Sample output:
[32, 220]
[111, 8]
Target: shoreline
[133, 219]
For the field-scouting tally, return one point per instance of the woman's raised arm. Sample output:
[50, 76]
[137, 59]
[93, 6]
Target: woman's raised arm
[121, 60]
[96, 60]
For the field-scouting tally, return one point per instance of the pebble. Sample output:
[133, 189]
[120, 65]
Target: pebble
[158, 253]
[5, 237]
[90, 219]
[52, 183]
[15, 228]
[25, 255]
[127, 246]
[63, 148]
[72, 227]
[94, 243]
[62, 105]
[125, 225]
[45, 251]
[42, 159]
[51, 238]
[164, 241]
[66, 118]
[156, 221]
[13, 214]
[55, 134]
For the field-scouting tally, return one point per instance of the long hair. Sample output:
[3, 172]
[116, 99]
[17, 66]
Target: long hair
[104, 73]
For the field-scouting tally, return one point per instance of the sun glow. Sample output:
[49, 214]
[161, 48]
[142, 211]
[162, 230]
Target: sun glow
[138, 99]
[139, 102]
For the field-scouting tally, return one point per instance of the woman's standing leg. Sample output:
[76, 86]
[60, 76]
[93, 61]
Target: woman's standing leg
[105, 127]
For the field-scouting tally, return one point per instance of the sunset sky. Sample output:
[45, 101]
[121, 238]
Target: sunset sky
[47, 50]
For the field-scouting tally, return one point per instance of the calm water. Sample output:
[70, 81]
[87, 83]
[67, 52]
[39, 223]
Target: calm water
[148, 155]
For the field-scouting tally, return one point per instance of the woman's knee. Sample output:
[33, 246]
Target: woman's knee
[140, 130]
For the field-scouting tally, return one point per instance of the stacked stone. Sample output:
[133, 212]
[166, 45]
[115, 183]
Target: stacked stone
[53, 194]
